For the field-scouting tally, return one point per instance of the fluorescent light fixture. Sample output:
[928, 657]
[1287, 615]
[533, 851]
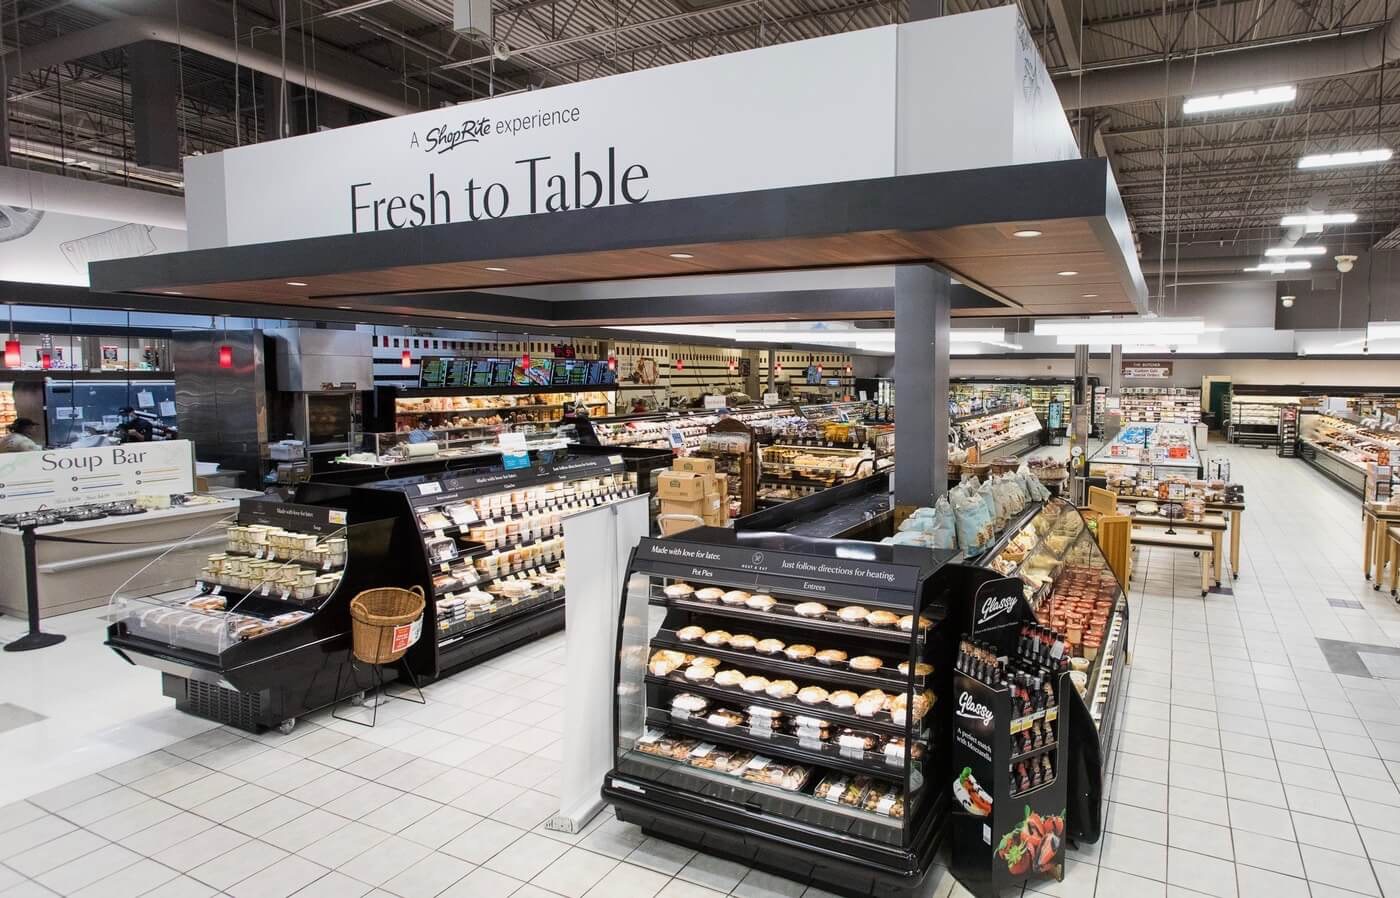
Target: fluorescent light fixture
[1296, 251]
[1383, 330]
[1316, 221]
[1130, 338]
[1280, 267]
[1240, 99]
[496, 268]
[1005, 345]
[1350, 157]
[1066, 274]
[682, 255]
[296, 283]
[1117, 330]
[1026, 233]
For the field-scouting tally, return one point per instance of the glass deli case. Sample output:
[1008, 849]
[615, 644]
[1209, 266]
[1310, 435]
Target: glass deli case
[1154, 451]
[1342, 446]
[775, 704]
[999, 433]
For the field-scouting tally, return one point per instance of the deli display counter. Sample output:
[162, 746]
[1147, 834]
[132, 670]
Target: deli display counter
[1001, 433]
[1151, 451]
[1341, 445]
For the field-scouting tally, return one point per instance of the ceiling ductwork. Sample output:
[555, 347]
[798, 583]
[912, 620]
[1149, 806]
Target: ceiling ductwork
[69, 196]
[1317, 57]
[129, 30]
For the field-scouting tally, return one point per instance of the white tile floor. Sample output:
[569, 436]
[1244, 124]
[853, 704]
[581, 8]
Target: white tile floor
[1247, 769]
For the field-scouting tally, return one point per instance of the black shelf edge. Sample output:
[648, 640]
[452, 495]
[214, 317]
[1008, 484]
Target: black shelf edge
[793, 708]
[789, 669]
[815, 624]
[784, 746]
[1049, 746]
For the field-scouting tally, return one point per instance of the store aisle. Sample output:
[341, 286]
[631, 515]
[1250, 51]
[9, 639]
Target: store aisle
[1250, 767]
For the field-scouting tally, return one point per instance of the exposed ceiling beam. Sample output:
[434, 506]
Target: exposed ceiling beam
[1068, 16]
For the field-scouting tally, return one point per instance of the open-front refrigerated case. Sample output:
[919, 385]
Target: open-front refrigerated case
[1000, 433]
[1066, 585]
[1342, 448]
[775, 704]
[1153, 451]
[259, 638]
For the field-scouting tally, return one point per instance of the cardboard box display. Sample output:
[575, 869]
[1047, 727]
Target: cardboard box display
[717, 485]
[670, 526]
[681, 485]
[706, 505]
[694, 465]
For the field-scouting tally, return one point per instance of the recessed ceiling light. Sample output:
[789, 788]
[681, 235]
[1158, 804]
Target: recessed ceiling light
[1280, 267]
[343, 308]
[1296, 251]
[496, 268]
[1089, 296]
[1316, 221]
[682, 255]
[172, 293]
[1028, 232]
[1066, 274]
[1240, 99]
[1105, 310]
[296, 283]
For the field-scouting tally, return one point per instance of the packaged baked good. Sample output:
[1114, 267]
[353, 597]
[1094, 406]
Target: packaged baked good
[434, 520]
[900, 704]
[882, 619]
[761, 602]
[831, 656]
[689, 703]
[871, 703]
[700, 673]
[725, 717]
[743, 642]
[655, 742]
[769, 772]
[754, 683]
[716, 638]
[843, 699]
[855, 740]
[709, 594]
[885, 800]
[842, 788]
[734, 597]
[769, 646]
[799, 652]
[920, 669]
[679, 590]
[660, 667]
[811, 695]
[730, 677]
[704, 661]
[781, 689]
[906, 623]
[866, 663]
[810, 609]
[894, 750]
[853, 614]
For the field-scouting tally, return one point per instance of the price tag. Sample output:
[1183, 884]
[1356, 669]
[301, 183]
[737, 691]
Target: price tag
[266, 588]
[259, 553]
[438, 534]
[429, 489]
[216, 590]
[199, 585]
[285, 594]
[326, 565]
[271, 554]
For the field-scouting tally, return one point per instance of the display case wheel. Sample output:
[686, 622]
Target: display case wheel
[286, 726]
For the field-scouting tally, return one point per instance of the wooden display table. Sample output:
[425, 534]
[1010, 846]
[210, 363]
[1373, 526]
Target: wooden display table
[1213, 526]
[1202, 543]
[1375, 518]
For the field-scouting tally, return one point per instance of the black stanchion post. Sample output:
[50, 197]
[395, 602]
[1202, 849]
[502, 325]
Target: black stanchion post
[34, 639]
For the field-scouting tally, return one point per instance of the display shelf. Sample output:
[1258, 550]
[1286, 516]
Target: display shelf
[994, 433]
[239, 648]
[1149, 450]
[1160, 405]
[864, 810]
[1254, 420]
[508, 525]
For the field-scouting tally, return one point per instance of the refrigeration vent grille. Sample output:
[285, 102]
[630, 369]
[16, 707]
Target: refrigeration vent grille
[239, 709]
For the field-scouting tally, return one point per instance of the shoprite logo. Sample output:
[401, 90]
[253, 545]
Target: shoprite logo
[447, 137]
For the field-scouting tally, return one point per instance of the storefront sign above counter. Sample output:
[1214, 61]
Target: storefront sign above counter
[454, 487]
[848, 107]
[1147, 370]
[63, 478]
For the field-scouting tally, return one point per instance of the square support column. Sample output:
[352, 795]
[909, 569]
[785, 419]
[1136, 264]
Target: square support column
[921, 304]
[154, 101]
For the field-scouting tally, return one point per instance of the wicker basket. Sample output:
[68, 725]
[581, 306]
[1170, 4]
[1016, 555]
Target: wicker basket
[380, 620]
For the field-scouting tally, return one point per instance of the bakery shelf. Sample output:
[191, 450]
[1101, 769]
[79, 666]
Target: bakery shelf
[783, 614]
[880, 723]
[824, 755]
[887, 678]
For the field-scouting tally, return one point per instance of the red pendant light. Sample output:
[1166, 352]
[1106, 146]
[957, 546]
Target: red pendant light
[612, 363]
[46, 361]
[680, 363]
[778, 368]
[733, 366]
[406, 359]
[12, 357]
[819, 368]
[848, 369]
[525, 361]
[225, 356]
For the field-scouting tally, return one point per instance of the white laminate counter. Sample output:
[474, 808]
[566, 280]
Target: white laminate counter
[158, 550]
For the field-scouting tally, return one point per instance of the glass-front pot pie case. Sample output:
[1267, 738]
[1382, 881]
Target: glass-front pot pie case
[775, 703]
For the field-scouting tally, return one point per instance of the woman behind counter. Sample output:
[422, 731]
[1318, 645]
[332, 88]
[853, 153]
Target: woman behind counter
[21, 436]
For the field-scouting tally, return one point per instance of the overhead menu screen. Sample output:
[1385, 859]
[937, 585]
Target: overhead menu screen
[459, 372]
[481, 372]
[503, 373]
[597, 373]
[537, 375]
[432, 372]
[563, 369]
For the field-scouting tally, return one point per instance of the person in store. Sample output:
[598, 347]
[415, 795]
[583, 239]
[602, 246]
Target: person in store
[21, 436]
[134, 428]
[423, 433]
[577, 415]
[639, 406]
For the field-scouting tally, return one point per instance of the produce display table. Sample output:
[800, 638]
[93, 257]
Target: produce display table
[1212, 525]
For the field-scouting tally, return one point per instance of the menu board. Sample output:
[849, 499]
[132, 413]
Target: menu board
[432, 372]
[503, 373]
[481, 372]
[563, 371]
[596, 372]
[537, 375]
[459, 372]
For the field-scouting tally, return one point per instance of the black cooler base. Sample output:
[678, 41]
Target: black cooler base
[455, 654]
[790, 859]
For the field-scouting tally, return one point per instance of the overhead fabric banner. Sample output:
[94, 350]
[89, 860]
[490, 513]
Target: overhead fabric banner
[62, 478]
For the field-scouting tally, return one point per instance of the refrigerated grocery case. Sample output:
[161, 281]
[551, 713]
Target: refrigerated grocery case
[1008, 432]
[1063, 582]
[1341, 446]
[1152, 451]
[1160, 405]
[487, 547]
[398, 408]
[1255, 419]
[259, 639]
[684, 429]
[767, 772]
